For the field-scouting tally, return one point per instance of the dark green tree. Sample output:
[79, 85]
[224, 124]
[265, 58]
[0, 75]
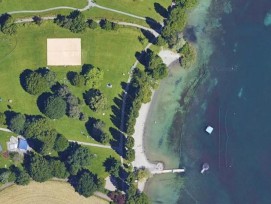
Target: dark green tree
[7, 24]
[61, 143]
[78, 158]
[2, 119]
[104, 138]
[37, 128]
[4, 176]
[77, 79]
[130, 155]
[37, 20]
[87, 184]
[38, 168]
[17, 123]
[92, 24]
[54, 107]
[130, 142]
[48, 140]
[112, 166]
[35, 83]
[106, 25]
[58, 169]
[94, 77]
[22, 178]
[75, 21]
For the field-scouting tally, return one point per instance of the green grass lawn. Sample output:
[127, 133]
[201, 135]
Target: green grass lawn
[4, 138]
[17, 5]
[112, 51]
[144, 8]
[100, 156]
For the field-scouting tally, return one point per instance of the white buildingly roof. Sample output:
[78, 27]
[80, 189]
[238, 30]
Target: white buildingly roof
[209, 129]
[63, 51]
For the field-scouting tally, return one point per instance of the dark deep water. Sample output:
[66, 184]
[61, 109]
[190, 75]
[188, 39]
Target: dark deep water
[239, 109]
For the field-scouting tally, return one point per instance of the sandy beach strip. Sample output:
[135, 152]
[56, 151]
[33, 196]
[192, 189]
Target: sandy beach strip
[141, 159]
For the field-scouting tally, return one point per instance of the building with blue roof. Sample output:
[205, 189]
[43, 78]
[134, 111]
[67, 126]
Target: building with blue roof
[23, 145]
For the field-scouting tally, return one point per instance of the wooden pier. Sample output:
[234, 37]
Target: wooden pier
[168, 171]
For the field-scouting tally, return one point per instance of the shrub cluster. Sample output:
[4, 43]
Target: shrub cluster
[7, 24]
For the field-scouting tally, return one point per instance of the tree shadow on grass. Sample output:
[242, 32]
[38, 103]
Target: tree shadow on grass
[119, 183]
[95, 133]
[161, 10]
[23, 77]
[40, 101]
[118, 141]
[154, 24]
[150, 37]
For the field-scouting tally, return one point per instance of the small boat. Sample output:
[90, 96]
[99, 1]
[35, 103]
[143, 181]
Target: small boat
[205, 167]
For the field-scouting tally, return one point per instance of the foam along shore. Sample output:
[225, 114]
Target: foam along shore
[169, 56]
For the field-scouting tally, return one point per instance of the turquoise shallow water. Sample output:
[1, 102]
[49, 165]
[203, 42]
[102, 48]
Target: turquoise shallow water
[234, 97]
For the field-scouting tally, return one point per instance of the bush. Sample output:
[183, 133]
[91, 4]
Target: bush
[36, 83]
[87, 184]
[75, 21]
[58, 169]
[17, 123]
[61, 143]
[77, 79]
[2, 119]
[54, 107]
[22, 178]
[38, 168]
[95, 100]
[107, 25]
[104, 138]
[130, 155]
[92, 24]
[112, 166]
[78, 158]
[7, 24]
[188, 54]
[130, 142]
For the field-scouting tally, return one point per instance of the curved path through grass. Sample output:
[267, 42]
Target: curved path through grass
[88, 6]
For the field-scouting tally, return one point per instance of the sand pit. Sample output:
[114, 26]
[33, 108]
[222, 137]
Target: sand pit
[63, 51]
[168, 56]
[50, 192]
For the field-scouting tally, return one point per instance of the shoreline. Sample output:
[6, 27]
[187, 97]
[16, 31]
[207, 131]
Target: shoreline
[141, 160]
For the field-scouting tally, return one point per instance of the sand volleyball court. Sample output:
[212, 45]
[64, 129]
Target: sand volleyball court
[63, 51]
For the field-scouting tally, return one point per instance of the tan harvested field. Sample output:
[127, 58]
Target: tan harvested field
[64, 51]
[50, 192]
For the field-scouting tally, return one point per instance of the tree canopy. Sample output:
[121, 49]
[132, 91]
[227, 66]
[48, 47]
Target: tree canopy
[75, 21]
[87, 183]
[78, 158]
[54, 107]
[7, 24]
[95, 100]
[112, 166]
[39, 168]
[61, 143]
[17, 123]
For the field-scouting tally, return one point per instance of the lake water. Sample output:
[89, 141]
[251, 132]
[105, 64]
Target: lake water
[233, 38]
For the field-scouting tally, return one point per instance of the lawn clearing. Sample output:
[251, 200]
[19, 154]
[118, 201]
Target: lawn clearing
[53, 192]
[4, 138]
[18, 5]
[143, 8]
[112, 51]
[101, 155]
